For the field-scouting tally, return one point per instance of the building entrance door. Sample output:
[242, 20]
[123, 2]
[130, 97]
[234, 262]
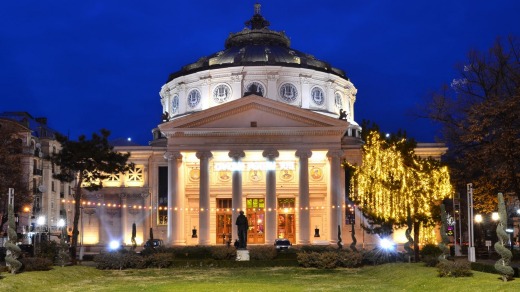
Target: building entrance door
[286, 219]
[224, 223]
[256, 221]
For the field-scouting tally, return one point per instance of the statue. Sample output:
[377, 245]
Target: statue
[165, 117]
[242, 226]
[342, 114]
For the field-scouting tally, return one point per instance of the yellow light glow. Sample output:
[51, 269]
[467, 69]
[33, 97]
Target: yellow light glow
[478, 218]
[391, 186]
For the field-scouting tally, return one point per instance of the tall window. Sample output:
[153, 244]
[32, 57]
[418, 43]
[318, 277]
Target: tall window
[163, 196]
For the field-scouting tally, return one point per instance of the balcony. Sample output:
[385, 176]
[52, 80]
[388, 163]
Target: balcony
[37, 171]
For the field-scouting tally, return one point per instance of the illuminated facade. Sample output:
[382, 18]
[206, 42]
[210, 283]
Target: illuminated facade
[254, 127]
[38, 141]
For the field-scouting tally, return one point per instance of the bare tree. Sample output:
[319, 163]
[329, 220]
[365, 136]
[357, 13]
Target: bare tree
[480, 118]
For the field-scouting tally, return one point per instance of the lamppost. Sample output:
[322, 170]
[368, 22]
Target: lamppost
[40, 222]
[471, 234]
[478, 220]
[61, 224]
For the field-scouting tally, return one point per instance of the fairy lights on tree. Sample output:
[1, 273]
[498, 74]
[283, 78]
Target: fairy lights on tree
[393, 183]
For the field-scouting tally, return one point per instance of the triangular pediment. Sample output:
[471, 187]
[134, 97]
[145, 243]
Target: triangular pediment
[253, 114]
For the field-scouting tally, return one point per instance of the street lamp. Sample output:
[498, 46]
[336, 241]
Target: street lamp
[495, 216]
[471, 234]
[40, 222]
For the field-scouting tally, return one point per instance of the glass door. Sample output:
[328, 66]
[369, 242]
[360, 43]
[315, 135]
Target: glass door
[224, 223]
[286, 219]
[256, 221]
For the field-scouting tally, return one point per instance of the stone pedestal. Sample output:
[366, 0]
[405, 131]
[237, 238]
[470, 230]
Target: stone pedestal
[242, 255]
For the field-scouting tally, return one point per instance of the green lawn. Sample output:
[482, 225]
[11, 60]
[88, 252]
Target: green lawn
[389, 277]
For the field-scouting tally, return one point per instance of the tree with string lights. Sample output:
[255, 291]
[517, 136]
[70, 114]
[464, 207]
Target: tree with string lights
[393, 185]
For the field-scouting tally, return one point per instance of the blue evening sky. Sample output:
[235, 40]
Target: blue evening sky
[87, 65]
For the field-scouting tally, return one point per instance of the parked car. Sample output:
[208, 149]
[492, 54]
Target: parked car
[282, 243]
[153, 243]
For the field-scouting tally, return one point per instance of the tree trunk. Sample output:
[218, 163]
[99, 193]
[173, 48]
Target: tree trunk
[75, 229]
[416, 231]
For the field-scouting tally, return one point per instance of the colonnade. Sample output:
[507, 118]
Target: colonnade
[175, 228]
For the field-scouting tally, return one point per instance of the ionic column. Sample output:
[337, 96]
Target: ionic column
[103, 235]
[174, 222]
[146, 215]
[124, 217]
[303, 196]
[236, 199]
[270, 196]
[337, 198]
[204, 219]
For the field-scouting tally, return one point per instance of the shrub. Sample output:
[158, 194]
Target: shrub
[262, 252]
[329, 259]
[378, 256]
[36, 264]
[308, 259]
[223, 253]
[158, 260]
[316, 248]
[349, 259]
[447, 268]
[49, 250]
[192, 252]
[430, 254]
[118, 260]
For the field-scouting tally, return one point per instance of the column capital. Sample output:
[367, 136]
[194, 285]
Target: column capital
[172, 155]
[236, 154]
[303, 153]
[335, 153]
[205, 154]
[270, 153]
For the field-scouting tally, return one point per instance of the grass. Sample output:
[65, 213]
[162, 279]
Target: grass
[389, 277]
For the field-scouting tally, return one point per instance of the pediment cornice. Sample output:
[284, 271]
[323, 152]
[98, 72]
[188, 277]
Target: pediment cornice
[203, 123]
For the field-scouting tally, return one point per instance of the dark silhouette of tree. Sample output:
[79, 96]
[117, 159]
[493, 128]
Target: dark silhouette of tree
[86, 162]
[480, 121]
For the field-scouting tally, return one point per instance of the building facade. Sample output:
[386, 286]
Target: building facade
[38, 142]
[258, 127]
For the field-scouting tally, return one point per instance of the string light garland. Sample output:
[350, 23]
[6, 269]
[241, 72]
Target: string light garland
[160, 208]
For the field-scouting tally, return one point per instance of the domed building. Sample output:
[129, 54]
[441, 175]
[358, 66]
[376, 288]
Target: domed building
[258, 127]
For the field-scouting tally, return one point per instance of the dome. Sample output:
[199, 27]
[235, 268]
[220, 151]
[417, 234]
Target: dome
[258, 60]
[257, 45]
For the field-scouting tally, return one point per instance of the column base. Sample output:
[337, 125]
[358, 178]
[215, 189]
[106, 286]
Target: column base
[242, 255]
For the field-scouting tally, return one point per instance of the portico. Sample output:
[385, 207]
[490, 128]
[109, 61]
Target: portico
[287, 179]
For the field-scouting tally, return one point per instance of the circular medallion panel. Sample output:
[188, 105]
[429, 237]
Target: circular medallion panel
[194, 98]
[175, 103]
[318, 97]
[288, 93]
[221, 93]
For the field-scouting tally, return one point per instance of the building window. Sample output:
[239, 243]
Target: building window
[162, 196]
[52, 186]
[223, 203]
[338, 100]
